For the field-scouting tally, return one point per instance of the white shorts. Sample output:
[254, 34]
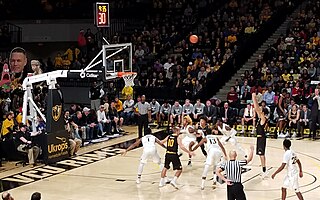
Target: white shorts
[213, 157]
[187, 140]
[291, 182]
[149, 154]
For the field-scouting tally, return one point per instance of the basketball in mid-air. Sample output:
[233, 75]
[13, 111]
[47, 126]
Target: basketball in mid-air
[193, 39]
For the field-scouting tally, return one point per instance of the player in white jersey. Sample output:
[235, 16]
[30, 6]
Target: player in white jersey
[149, 152]
[294, 171]
[229, 135]
[189, 135]
[214, 150]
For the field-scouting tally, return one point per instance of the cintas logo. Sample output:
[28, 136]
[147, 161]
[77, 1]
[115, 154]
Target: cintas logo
[60, 147]
[56, 112]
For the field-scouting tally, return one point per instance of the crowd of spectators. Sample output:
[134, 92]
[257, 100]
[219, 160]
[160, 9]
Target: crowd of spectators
[288, 67]
[179, 65]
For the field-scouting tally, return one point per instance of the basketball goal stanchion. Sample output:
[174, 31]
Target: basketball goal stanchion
[128, 78]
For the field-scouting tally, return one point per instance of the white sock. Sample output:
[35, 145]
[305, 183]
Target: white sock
[242, 127]
[205, 170]
[140, 168]
[161, 166]
[174, 179]
[203, 181]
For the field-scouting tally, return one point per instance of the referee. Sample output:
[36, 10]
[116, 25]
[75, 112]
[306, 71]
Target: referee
[233, 172]
[143, 110]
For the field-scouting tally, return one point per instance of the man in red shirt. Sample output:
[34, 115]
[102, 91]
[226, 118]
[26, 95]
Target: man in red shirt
[232, 97]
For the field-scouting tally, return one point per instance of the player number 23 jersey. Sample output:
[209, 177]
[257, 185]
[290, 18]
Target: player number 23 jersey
[212, 142]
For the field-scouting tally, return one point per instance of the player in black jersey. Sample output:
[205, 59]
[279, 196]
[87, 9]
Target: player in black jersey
[173, 142]
[202, 131]
[261, 135]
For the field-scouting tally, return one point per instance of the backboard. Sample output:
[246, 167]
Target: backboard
[114, 58]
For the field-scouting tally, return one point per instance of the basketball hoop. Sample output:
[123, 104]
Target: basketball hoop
[128, 78]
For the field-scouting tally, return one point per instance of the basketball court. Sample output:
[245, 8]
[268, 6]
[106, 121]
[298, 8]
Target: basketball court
[114, 177]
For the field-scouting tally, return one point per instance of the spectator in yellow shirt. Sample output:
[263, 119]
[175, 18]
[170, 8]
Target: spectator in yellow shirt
[118, 105]
[19, 118]
[315, 40]
[216, 67]
[127, 90]
[232, 38]
[7, 124]
[249, 29]
[58, 61]
[198, 61]
[72, 54]
[286, 76]
[189, 67]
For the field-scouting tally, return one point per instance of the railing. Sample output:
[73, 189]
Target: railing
[15, 32]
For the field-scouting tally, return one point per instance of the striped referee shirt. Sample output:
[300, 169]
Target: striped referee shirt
[233, 169]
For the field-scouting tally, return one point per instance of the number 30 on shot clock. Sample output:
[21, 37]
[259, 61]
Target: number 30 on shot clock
[101, 15]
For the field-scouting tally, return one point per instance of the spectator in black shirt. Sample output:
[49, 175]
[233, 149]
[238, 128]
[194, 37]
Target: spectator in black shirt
[202, 131]
[24, 144]
[74, 139]
[90, 122]
[78, 125]
[95, 95]
[210, 112]
[143, 80]
[160, 80]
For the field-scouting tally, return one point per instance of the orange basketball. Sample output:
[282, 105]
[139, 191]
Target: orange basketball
[193, 39]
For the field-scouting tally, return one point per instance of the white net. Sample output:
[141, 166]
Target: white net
[129, 79]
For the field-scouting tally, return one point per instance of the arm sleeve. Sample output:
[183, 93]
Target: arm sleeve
[171, 110]
[180, 110]
[286, 157]
[157, 107]
[242, 162]
[99, 116]
[194, 109]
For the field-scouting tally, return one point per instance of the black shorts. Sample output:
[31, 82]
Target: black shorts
[174, 159]
[261, 145]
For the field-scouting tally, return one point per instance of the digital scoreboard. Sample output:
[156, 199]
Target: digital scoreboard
[101, 15]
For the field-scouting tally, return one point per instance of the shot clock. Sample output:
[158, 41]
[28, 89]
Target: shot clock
[101, 15]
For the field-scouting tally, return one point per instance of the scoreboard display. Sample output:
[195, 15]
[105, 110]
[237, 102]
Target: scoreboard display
[101, 15]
